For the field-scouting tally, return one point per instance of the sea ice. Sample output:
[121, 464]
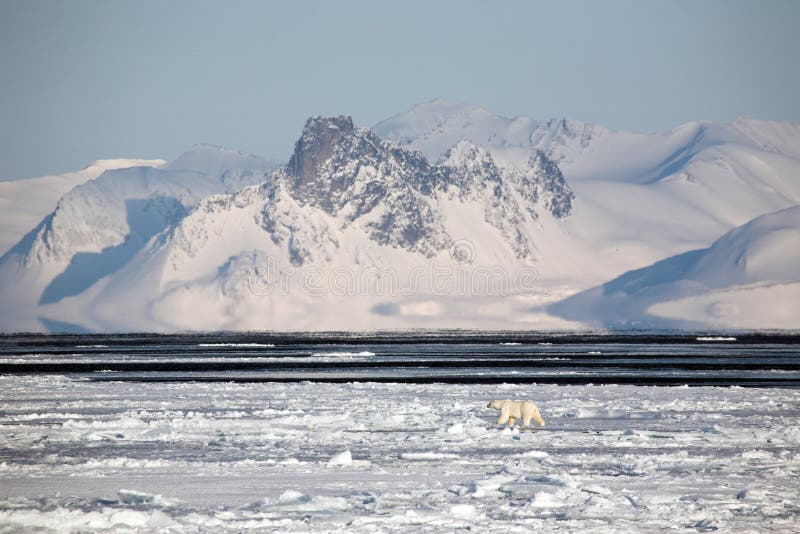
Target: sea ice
[228, 457]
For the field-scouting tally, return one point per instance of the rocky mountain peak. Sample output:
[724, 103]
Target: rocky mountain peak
[336, 164]
[469, 167]
[350, 172]
[552, 189]
[316, 145]
[464, 151]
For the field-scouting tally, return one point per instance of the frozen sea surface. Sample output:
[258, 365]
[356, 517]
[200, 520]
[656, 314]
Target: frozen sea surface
[78, 454]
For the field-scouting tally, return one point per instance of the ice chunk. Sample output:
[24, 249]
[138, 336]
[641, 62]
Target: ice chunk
[535, 454]
[343, 458]
[544, 499]
[293, 497]
[599, 490]
[463, 511]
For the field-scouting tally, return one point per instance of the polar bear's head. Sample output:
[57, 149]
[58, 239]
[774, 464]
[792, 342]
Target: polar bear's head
[496, 404]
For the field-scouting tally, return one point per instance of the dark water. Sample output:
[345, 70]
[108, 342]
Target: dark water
[761, 360]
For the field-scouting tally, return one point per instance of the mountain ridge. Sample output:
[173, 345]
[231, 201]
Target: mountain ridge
[578, 205]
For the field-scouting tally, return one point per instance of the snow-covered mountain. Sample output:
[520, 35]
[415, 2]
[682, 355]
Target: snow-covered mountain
[99, 225]
[23, 203]
[749, 278]
[349, 213]
[433, 127]
[443, 216]
[638, 197]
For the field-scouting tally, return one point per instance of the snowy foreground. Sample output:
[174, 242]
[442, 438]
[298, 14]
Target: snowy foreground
[81, 455]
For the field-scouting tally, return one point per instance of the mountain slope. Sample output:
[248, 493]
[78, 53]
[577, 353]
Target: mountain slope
[23, 203]
[98, 226]
[749, 278]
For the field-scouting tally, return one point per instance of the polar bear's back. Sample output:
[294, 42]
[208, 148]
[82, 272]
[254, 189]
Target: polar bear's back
[525, 410]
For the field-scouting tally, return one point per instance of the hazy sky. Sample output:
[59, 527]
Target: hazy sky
[83, 80]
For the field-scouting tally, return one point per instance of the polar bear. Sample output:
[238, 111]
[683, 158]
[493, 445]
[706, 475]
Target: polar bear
[512, 410]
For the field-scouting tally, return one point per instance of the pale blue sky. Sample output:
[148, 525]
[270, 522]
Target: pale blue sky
[84, 80]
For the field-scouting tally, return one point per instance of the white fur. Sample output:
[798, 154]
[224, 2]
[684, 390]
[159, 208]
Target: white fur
[512, 410]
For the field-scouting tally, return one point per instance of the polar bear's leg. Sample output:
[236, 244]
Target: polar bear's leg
[537, 416]
[526, 421]
[504, 415]
[511, 421]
